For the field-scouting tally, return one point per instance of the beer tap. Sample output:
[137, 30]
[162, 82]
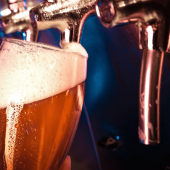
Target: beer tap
[151, 18]
[68, 16]
[16, 18]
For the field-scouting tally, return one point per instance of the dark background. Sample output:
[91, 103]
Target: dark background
[111, 99]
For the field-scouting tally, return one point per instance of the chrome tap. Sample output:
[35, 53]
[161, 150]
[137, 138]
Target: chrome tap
[66, 15]
[16, 18]
[151, 18]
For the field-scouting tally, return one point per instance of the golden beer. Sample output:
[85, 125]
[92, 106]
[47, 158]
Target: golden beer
[42, 91]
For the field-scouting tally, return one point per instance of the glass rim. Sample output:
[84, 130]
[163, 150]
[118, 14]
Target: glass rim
[38, 44]
[28, 43]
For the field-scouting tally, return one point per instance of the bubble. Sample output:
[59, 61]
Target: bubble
[17, 125]
[15, 105]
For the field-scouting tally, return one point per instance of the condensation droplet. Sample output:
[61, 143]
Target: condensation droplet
[17, 125]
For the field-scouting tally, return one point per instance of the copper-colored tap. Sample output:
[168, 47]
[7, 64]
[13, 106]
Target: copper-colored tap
[17, 19]
[151, 18]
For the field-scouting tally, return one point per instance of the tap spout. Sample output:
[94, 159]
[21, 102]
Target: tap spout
[68, 16]
[149, 96]
[149, 91]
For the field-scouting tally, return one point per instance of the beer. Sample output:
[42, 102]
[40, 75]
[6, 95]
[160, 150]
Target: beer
[42, 92]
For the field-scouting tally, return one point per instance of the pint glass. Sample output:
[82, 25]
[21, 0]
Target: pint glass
[41, 97]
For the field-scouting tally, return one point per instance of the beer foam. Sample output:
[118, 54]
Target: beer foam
[73, 47]
[38, 70]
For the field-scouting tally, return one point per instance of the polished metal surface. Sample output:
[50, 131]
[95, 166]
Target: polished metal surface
[149, 96]
[67, 16]
[120, 4]
[16, 18]
[152, 20]
[142, 13]
[116, 12]
[3, 5]
[149, 92]
[150, 80]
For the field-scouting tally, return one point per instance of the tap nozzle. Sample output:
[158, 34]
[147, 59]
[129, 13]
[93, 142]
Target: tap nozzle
[68, 16]
[149, 92]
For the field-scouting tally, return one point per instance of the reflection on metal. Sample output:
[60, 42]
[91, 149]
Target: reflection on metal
[16, 18]
[150, 32]
[149, 95]
[120, 4]
[109, 142]
[149, 92]
[24, 36]
[68, 16]
[5, 12]
[152, 21]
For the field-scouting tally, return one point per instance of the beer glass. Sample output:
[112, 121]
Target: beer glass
[41, 98]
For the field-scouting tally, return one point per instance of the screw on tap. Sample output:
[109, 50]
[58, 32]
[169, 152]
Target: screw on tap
[66, 15]
[16, 18]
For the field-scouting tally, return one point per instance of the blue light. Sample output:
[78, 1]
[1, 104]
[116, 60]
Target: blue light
[24, 36]
[117, 137]
[2, 33]
[141, 141]
[0, 9]
[25, 1]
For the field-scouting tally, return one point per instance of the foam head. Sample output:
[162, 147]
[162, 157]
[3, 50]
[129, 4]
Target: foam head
[39, 71]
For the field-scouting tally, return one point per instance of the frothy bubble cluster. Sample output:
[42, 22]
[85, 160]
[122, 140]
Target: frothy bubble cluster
[40, 71]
